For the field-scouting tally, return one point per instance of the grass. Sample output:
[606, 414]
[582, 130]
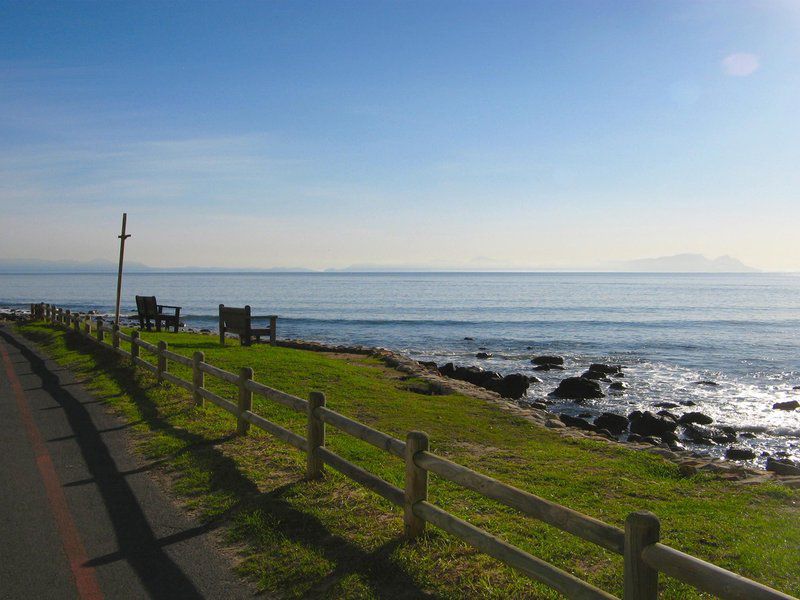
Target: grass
[333, 539]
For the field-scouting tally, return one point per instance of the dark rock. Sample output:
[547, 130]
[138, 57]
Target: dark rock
[747, 435]
[649, 424]
[707, 383]
[538, 405]
[635, 415]
[699, 434]
[723, 438]
[596, 376]
[687, 403]
[605, 433]
[469, 339]
[511, 386]
[577, 422]
[548, 368]
[614, 423]
[585, 415]
[605, 369]
[668, 415]
[534, 379]
[447, 370]
[547, 360]
[665, 405]
[428, 364]
[790, 405]
[483, 355]
[618, 385]
[651, 439]
[739, 453]
[695, 417]
[634, 437]
[481, 347]
[578, 388]
[797, 387]
[676, 447]
[619, 375]
[669, 437]
[782, 467]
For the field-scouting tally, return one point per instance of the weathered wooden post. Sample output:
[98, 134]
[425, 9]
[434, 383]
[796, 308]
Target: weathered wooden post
[134, 347]
[273, 326]
[46, 312]
[67, 321]
[416, 484]
[87, 326]
[162, 360]
[221, 327]
[99, 331]
[245, 399]
[642, 528]
[198, 377]
[115, 336]
[315, 436]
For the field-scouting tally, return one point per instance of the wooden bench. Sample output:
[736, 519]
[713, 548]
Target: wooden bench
[240, 322]
[151, 311]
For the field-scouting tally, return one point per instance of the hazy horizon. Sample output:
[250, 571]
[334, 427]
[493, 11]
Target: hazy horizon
[324, 135]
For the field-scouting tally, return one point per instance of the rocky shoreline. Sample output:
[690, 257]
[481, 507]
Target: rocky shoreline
[689, 462]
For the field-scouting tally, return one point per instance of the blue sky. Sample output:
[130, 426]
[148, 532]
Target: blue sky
[553, 134]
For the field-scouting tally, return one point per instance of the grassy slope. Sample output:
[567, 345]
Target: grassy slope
[331, 538]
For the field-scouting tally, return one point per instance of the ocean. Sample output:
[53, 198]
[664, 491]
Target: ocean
[668, 330]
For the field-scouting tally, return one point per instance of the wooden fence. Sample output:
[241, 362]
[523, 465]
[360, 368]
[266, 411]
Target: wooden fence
[638, 543]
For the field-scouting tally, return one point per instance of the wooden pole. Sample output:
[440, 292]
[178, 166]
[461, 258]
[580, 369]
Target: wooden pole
[245, 399]
[641, 581]
[416, 484]
[162, 360]
[122, 237]
[198, 377]
[315, 436]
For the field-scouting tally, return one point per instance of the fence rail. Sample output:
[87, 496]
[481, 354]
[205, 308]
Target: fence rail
[644, 555]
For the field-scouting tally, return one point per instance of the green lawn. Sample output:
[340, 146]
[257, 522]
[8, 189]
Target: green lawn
[330, 538]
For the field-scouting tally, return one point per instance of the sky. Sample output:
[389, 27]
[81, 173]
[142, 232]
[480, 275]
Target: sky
[453, 134]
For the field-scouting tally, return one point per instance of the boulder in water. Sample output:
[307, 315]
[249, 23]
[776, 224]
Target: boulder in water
[511, 386]
[695, 417]
[618, 386]
[614, 423]
[483, 355]
[578, 388]
[707, 383]
[790, 405]
[665, 405]
[547, 360]
[648, 424]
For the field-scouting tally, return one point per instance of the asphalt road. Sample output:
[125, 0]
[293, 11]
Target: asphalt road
[80, 514]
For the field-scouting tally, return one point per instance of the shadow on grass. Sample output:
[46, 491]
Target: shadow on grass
[376, 568]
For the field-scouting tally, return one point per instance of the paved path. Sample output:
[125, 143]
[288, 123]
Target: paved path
[80, 517]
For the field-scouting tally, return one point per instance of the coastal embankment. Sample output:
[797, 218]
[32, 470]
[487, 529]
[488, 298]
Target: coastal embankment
[328, 534]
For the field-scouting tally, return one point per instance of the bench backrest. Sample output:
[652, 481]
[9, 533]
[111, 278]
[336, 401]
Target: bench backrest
[236, 320]
[146, 306]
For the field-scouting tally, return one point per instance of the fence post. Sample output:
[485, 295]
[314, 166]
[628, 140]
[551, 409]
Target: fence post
[642, 528]
[245, 399]
[99, 331]
[76, 322]
[67, 321]
[162, 360]
[315, 435]
[416, 484]
[273, 326]
[46, 312]
[87, 325]
[198, 377]
[115, 336]
[134, 347]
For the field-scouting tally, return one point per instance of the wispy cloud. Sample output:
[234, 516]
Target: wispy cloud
[740, 64]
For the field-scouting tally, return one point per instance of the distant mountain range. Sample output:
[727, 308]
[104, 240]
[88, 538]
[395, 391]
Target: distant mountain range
[682, 263]
[679, 263]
